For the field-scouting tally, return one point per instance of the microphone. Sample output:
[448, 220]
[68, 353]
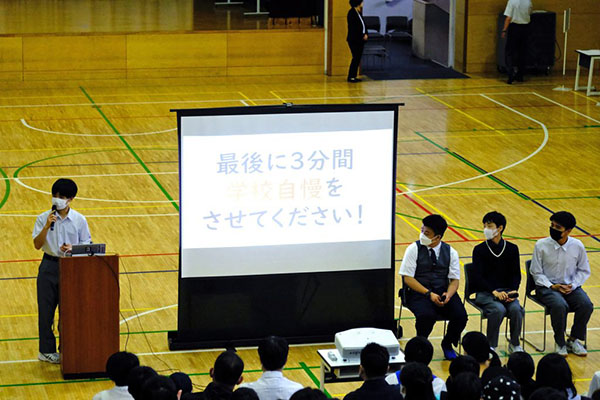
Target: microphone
[53, 212]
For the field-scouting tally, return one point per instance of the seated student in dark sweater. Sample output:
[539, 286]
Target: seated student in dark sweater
[374, 362]
[496, 266]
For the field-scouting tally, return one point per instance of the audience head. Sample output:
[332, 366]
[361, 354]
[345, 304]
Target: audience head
[554, 371]
[418, 349]
[355, 3]
[494, 220]
[434, 227]
[64, 187]
[463, 364]
[416, 381]
[547, 393]
[308, 394]
[119, 365]
[595, 395]
[491, 373]
[228, 368]
[273, 353]
[561, 224]
[464, 386]
[374, 360]
[477, 345]
[502, 388]
[244, 394]
[521, 365]
[182, 382]
[159, 388]
[136, 379]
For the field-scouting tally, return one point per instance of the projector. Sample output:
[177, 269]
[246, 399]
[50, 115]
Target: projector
[351, 342]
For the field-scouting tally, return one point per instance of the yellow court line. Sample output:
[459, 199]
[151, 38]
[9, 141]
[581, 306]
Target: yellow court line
[409, 223]
[460, 111]
[247, 98]
[35, 315]
[85, 148]
[89, 208]
[584, 96]
[275, 94]
[588, 130]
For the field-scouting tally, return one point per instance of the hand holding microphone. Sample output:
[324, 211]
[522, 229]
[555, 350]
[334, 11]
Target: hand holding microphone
[52, 218]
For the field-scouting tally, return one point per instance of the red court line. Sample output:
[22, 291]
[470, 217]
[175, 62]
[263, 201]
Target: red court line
[120, 255]
[429, 212]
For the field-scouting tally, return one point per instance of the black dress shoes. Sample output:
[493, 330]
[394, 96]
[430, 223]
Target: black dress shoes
[354, 80]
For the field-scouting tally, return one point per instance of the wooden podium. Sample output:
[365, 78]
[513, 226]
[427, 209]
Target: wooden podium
[89, 314]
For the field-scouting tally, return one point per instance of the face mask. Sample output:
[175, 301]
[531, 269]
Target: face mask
[425, 241]
[555, 234]
[489, 233]
[60, 204]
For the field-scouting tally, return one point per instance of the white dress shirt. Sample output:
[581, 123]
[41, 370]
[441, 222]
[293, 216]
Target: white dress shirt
[519, 11]
[361, 21]
[272, 385]
[409, 262]
[116, 393]
[552, 263]
[438, 384]
[73, 229]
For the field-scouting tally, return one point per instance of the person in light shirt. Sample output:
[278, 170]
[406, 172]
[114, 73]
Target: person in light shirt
[516, 32]
[560, 267]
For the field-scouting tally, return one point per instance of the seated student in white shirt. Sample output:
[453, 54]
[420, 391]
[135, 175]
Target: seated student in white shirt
[272, 385]
[560, 267]
[118, 367]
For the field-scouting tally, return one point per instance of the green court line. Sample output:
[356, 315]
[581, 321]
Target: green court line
[566, 198]
[7, 190]
[131, 150]
[509, 129]
[313, 377]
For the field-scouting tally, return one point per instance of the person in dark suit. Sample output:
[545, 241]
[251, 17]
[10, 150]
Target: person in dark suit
[357, 36]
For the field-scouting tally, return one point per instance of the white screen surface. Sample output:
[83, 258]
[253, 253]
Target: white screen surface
[286, 193]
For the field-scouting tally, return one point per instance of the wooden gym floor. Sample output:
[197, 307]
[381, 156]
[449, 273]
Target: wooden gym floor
[118, 140]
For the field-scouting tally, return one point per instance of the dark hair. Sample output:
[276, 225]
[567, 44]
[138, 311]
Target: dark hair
[547, 393]
[374, 359]
[595, 395]
[463, 364]
[464, 386]
[64, 187]
[273, 352]
[244, 393]
[501, 387]
[565, 219]
[159, 388]
[553, 371]
[182, 382]
[308, 394]
[437, 224]
[119, 365]
[136, 379]
[418, 349]
[228, 368]
[416, 379]
[491, 373]
[355, 3]
[521, 365]
[476, 344]
[496, 218]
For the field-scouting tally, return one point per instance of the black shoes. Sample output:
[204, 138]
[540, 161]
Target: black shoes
[354, 80]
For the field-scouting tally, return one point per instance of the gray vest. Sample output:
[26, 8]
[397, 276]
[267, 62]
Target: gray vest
[429, 276]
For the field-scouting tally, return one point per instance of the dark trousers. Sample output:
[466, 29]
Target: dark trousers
[495, 311]
[560, 304]
[516, 48]
[427, 313]
[47, 298]
[357, 50]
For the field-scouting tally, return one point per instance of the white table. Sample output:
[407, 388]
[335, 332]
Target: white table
[586, 58]
[336, 369]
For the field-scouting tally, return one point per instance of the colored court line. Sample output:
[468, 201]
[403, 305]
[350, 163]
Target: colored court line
[276, 95]
[313, 377]
[6, 188]
[120, 255]
[247, 98]
[90, 164]
[131, 150]
[161, 271]
[105, 148]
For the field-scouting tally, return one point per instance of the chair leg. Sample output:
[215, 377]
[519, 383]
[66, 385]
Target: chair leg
[543, 348]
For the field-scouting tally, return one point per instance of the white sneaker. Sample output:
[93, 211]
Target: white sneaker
[575, 347]
[52, 358]
[561, 350]
[514, 348]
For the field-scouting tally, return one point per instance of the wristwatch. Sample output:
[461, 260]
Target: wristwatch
[428, 294]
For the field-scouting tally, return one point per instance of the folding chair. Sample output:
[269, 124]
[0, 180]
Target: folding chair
[373, 27]
[396, 28]
[402, 295]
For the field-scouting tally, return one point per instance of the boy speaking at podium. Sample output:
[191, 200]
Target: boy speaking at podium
[55, 232]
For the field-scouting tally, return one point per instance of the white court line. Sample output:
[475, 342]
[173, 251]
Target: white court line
[244, 103]
[566, 108]
[541, 146]
[146, 313]
[93, 134]
[91, 175]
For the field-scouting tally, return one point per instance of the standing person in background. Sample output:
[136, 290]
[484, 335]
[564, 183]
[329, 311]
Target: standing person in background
[357, 36]
[516, 31]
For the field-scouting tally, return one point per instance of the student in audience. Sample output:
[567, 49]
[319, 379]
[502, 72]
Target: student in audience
[244, 394]
[136, 379]
[182, 382]
[492, 373]
[272, 385]
[595, 395]
[594, 384]
[560, 267]
[431, 272]
[502, 388]
[554, 371]
[416, 380]
[522, 367]
[374, 362]
[118, 367]
[418, 349]
[225, 374]
[459, 365]
[309, 394]
[463, 386]
[497, 275]
[547, 393]
[160, 388]
[476, 345]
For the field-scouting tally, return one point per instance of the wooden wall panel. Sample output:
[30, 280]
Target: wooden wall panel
[11, 61]
[338, 52]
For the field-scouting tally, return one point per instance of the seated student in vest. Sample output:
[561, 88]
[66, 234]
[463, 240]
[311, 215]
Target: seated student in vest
[431, 273]
[560, 267]
[497, 275]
